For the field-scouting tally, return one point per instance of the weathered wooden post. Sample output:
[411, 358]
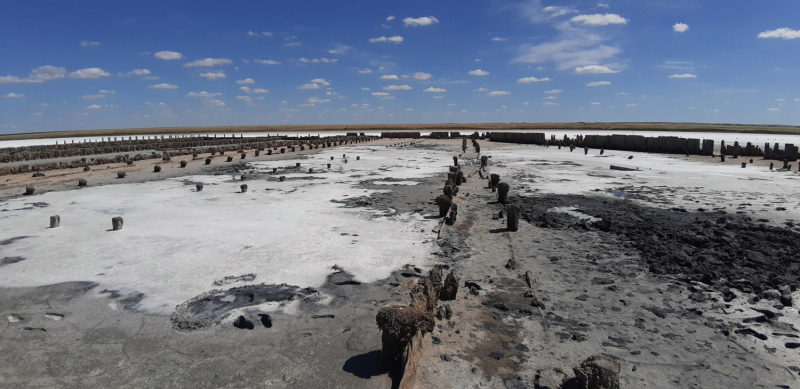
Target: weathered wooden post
[55, 221]
[230, 158]
[329, 166]
[183, 163]
[82, 182]
[243, 187]
[199, 187]
[157, 168]
[512, 217]
[116, 223]
[358, 158]
[495, 179]
[29, 190]
[244, 155]
[444, 203]
[120, 174]
[502, 192]
[208, 161]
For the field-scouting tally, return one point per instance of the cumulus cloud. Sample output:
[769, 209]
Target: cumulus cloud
[93, 97]
[213, 75]
[598, 83]
[14, 96]
[481, 90]
[163, 86]
[498, 93]
[267, 62]
[245, 98]
[308, 86]
[389, 77]
[550, 98]
[556, 11]
[380, 94]
[782, 33]
[554, 91]
[390, 18]
[435, 90]
[498, 39]
[107, 92]
[528, 80]
[293, 44]
[258, 90]
[680, 27]
[397, 87]
[40, 74]
[151, 78]
[773, 109]
[574, 48]
[140, 72]
[89, 43]
[549, 103]
[321, 81]
[478, 72]
[365, 88]
[685, 75]
[168, 55]
[246, 81]
[418, 22]
[208, 62]
[93, 106]
[318, 60]
[422, 75]
[315, 100]
[203, 94]
[391, 39]
[89, 73]
[365, 71]
[602, 5]
[599, 19]
[594, 69]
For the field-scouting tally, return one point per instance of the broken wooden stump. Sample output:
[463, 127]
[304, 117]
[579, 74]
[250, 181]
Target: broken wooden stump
[502, 192]
[116, 223]
[183, 163]
[29, 190]
[243, 188]
[120, 174]
[512, 219]
[55, 221]
[444, 203]
[157, 168]
[87, 168]
[494, 180]
[297, 164]
[230, 158]
[329, 166]
[449, 288]
[597, 372]
[199, 187]
[244, 155]
[208, 161]
[82, 183]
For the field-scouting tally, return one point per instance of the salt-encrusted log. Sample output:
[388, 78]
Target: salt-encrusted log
[495, 179]
[502, 192]
[512, 217]
[585, 150]
[243, 187]
[116, 223]
[444, 203]
[230, 158]
[55, 221]
[199, 187]
[29, 190]
[274, 170]
[81, 182]
[208, 161]
[771, 165]
[157, 168]
[121, 174]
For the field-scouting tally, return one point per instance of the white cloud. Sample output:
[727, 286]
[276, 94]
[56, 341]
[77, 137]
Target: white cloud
[214, 103]
[168, 55]
[245, 98]
[554, 91]
[478, 72]
[390, 18]
[315, 100]
[422, 75]
[576, 48]
[686, 75]
[438, 97]
[556, 11]
[259, 90]
[498, 93]
[397, 87]
[318, 60]
[365, 71]
[389, 77]
[549, 103]
[309, 86]
[208, 62]
[380, 94]
[423, 21]
[783, 33]
[88, 43]
[203, 94]
[365, 88]
[213, 75]
[528, 80]
[595, 103]
[481, 90]
[250, 33]
[796, 99]
[409, 109]
[599, 20]
[498, 39]
[680, 27]
[245, 89]
[163, 86]
[598, 83]
[151, 78]
[14, 96]
[93, 106]
[435, 90]
[550, 98]
[267, 62]
[140, 72]
[293, 44]
[631, 105]
[92, 97]
[780, 99]
[246, 81]
[602, 5]
[89, 73]
[594, 69]
[391, 39]
[773, 110]
[321, 81]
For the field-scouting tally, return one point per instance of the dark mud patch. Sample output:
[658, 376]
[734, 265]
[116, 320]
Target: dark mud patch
[10, 260]
[129, 302]
[231, 279]
[717, 248]
[210, 308]
[12, 240]
[400, 198]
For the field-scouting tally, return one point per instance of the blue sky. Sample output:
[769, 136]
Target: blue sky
[67, 65]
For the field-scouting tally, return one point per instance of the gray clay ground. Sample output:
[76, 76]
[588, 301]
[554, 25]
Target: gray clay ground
[592, 293]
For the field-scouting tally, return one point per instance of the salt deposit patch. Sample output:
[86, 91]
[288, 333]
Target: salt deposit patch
[176, 242]
[395, 183]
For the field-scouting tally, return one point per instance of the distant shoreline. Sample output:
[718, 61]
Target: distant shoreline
[612, 126]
